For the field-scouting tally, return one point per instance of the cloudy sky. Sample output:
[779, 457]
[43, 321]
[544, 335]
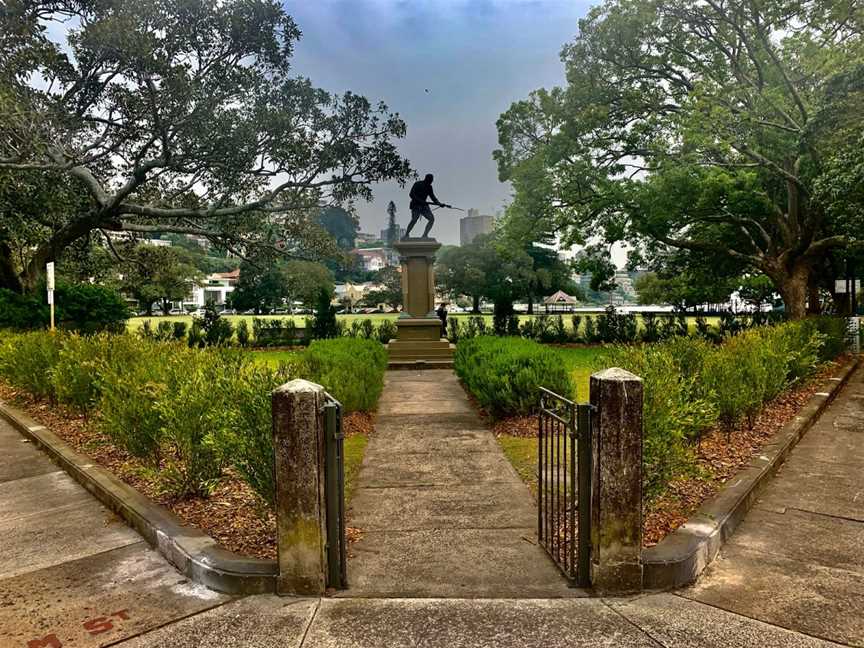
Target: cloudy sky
[475, 56]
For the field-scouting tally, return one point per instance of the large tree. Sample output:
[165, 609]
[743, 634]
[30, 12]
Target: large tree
[156, 274]
[700, 126]
[176, 117]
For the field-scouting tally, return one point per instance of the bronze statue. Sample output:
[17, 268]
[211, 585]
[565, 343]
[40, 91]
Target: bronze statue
[420, 193]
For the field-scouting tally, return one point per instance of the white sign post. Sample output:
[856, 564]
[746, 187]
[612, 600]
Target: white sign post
[49, 269]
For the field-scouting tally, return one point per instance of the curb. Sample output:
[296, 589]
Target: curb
[195, 554]
[681, 557]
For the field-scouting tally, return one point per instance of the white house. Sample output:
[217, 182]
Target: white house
[215, 289]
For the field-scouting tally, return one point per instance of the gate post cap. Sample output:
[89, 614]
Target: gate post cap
[616, 374]
[298, 385]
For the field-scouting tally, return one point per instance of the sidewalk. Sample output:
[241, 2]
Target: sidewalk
[797, 560]
[441, 510]
[71, 572]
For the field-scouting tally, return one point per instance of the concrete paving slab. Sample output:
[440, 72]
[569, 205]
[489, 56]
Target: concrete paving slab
[351, 623]
[841, 447]
[98, 600]
[389, 469]
[34, 495]
[424, 406]
[837, 494]
[820, 601]
[23, 461]
[482, 563]
[426, 375]
[409, 390]
[445, 441]
[803, 536]
[675, 622]
[57, 536]
[460, 507]
[254, 622]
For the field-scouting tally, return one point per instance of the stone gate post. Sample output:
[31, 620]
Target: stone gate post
[298, 444]
[616, 492]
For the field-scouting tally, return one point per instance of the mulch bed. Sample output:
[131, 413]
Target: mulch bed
[233, 514]
[719, 456]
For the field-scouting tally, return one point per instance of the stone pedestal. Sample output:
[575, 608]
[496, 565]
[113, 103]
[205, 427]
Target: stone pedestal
[616, 490]
[419, 342]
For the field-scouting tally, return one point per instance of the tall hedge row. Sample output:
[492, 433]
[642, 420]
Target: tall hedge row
[187, 413]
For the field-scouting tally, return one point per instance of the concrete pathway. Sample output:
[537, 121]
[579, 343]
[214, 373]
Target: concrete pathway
[797, 561]
[71, 572]
[442, 511]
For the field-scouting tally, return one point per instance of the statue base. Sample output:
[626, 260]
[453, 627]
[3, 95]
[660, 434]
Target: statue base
[418, 342]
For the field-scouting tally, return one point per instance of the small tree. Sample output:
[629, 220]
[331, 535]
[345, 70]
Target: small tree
[324, 324]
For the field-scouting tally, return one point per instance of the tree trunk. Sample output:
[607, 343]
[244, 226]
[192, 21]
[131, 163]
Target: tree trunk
[476, 305]
[793, 288]
[814, 303]
[8, 277]
[530, 304]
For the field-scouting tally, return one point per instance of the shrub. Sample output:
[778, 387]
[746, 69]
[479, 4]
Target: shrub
[243, 333]
[251, 436]
[75, 376]
[196, 413]
[27, 361]
[590, 330]
[674, 411]
[651, 329]
[131, 385]
[577, 322]
[476, 326]
[505, 374]
[217, 330]
[179, 331]
[90, 308]
[387, 331]
[453, 330]
[352, 371]
[22, 312]
[196, 334]
[324, 325]
[165, 331]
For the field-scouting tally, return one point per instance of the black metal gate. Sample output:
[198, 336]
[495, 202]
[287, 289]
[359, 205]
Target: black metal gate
[564, 485]
[334, 493]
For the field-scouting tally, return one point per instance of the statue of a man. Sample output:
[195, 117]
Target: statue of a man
[421, 192]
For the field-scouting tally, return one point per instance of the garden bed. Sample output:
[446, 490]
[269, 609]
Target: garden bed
[233, 515]
[719, 456]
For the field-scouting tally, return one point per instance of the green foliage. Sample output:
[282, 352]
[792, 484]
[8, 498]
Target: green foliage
[27, 360]
[505, 374]
[22, 312]
[690, 383]
[387, 331]
[243, 333]
[324, 325]
[351, 370]
[81, 307]
[274, 332]
[216, 329]
[674, 412]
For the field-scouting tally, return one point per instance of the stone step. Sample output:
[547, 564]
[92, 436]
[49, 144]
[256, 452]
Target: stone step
[420, 364]
[421, 353]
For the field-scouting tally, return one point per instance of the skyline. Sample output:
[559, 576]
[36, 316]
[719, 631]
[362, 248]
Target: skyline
[474, 57]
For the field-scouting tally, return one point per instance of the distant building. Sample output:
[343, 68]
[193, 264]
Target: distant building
[215, 289]
[366, 238]
[473, 225]
[399, 234]
[373, 259]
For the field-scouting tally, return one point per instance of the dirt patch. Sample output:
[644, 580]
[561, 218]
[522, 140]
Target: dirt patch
[719, 456]
[233, 514]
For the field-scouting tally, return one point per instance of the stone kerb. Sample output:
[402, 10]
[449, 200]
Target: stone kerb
[298, 443]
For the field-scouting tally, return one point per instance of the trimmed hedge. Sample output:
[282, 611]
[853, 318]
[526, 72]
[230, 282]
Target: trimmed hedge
[186, 412]
[691, 385]
[351, 369]
[505, 373]
[85, 308]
